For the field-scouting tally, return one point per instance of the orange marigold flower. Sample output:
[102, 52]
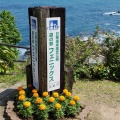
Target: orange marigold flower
[76, 98]
[21, 92]
[19, 88]
[21, 97]
[57, 106]
[55, 94]
[42, 107]
[27, 104]
[65, 91]
[72, 102]
[35, 95]
[29, 85]
[38, 100]
[68, 94]
[51, 99]
[45, 94]
[34, 91]
[62, 98]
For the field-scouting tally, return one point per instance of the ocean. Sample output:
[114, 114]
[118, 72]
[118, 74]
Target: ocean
[82, 16]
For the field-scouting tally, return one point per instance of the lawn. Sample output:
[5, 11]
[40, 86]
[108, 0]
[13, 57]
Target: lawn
[14, 76]
[98, 90]
[101, 95]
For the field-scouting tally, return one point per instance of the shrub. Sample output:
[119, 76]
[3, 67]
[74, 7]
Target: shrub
[112, 43]
[9, 34]
[77, 51]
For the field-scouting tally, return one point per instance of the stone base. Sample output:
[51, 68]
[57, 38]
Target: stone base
[11, 114]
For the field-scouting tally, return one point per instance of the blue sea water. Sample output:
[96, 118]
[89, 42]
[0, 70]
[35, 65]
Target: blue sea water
[81, 15]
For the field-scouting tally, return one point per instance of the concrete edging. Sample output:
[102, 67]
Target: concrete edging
[8, 93]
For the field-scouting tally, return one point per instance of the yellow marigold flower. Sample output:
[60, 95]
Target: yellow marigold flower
[34, 91]
[51, 99]
[45, 94]
[42, 107]
[21, 97]
[35, 95]
[38, 100]
[72, 102]
[21, 92]
[55, 94]
[65, 91]
[68, 94]
[62, 98]
[76, 98]
[57, 106]
[19, 88]
[27, 104]
[29, 85]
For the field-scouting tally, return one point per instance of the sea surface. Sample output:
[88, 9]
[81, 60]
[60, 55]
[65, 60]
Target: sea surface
[82, 16]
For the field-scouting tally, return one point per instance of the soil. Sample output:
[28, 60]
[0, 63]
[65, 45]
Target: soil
[102, 111]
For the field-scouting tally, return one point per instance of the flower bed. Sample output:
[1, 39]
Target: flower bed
[29, 105]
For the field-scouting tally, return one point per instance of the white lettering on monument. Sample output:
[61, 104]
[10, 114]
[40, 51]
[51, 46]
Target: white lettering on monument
[53, 53]
[34, 51]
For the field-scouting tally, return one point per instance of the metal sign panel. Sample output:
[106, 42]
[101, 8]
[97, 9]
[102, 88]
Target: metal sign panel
[53, 53]
[34, 50]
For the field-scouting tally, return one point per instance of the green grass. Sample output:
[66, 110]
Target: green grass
[92, 93]
[14, 76]
[98, 91]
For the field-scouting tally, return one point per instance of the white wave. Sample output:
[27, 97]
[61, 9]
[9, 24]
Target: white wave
[108, 13]
[112, 13]
[118, 33]
[85, 38]
[107, 23]
[21, 53]
[116, 14]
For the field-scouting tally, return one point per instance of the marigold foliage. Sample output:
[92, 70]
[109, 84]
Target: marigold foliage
[55, 106]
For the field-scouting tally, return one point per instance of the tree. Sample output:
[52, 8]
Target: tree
[8, 34]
